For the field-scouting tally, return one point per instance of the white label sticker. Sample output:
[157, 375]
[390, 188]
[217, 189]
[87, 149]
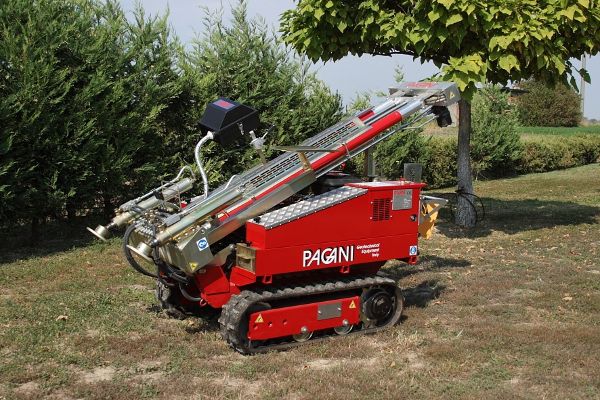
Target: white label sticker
[202, 244]
[412, 250]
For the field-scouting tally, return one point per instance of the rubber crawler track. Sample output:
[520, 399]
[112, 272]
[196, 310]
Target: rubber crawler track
[234, 312]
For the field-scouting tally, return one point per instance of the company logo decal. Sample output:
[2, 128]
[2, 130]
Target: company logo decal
[339, 254]
[202, 244]
[328, 255]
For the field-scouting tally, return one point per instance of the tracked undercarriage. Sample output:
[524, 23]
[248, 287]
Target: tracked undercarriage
[381, 302]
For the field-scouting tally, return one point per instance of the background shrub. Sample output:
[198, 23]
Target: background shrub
[407, 146]
[543, 105]
[495, 143]
[541, 154]
[84, 96]
[440, 168]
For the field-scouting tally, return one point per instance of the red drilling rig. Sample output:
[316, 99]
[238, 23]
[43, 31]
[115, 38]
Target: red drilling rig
[289, 250]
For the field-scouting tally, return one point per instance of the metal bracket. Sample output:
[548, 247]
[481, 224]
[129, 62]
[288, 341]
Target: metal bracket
[327, 311]
[441, 202]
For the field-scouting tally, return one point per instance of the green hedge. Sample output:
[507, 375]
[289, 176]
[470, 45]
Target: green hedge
[553, 153]
[440, 169]
[538, 155]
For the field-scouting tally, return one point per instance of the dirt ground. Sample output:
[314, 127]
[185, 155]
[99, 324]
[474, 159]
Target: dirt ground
[508, 310]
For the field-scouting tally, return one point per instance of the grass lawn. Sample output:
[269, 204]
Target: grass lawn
[559, 131]
[526, 132]
[508, 310]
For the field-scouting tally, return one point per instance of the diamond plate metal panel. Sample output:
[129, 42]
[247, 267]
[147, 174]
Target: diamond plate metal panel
[306, 207]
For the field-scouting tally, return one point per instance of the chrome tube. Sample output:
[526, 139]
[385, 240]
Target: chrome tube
[102, 232]
[126, 206]
[167, 194]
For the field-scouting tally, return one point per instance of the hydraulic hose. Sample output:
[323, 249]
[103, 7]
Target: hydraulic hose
[161, 266]
[472, 200]
[160, 278]
[170, 272]
[129, 256]
[187, 295]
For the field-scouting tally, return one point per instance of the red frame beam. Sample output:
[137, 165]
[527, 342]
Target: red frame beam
[288, 321]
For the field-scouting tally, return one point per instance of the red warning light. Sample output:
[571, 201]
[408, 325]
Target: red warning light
[223, 104]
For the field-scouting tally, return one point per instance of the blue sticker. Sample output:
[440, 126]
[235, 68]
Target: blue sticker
[412, 251]
[202, 244]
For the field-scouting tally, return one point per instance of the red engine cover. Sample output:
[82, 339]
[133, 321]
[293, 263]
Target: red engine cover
[357, 224]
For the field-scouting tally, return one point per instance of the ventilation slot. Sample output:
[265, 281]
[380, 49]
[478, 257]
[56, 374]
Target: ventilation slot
[381, 209]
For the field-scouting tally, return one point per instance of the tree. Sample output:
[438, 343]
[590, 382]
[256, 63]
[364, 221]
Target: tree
[96, 108]
[471, 41]
[544, 105]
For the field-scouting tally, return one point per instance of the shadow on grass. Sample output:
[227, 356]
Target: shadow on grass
[430, 289]
[423, 293]
[513, 216]
[204, 320]
[202, 325]
[426, 264]
[16, 243]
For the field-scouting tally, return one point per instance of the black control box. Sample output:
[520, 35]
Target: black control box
[224, 118]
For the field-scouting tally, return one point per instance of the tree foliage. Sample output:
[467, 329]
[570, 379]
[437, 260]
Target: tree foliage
[544, 105]
[472, 41]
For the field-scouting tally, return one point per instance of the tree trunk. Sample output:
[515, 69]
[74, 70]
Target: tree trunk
[369, 168]
[71, 211]
[35, 231]
[465, 212]
[109, 208]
